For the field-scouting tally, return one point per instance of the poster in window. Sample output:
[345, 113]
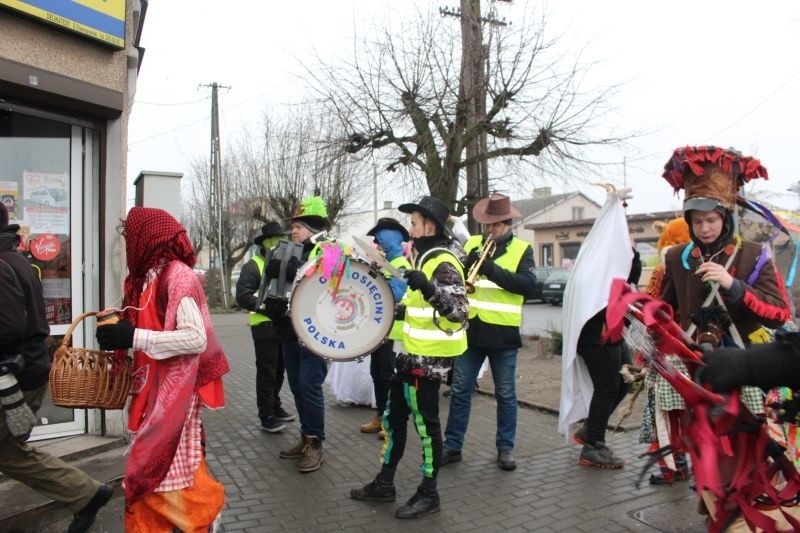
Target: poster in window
[9, 195]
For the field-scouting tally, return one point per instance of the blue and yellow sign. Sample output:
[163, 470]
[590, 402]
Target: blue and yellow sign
[103, 20]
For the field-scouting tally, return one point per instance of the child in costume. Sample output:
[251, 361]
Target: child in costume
[664, 405]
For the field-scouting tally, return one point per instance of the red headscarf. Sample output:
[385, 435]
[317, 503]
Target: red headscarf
[152, 237]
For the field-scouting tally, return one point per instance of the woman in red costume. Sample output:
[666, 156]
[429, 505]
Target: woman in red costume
[178, 366]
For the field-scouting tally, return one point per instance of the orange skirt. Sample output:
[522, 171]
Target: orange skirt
[192, 509]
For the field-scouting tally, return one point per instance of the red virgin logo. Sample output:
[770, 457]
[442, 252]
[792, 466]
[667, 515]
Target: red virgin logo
[45, 247]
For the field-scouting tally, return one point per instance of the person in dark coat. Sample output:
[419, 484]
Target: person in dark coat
[23, 330]
[266, 340]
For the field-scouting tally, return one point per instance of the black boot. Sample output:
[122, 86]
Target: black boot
[375, 491]
[424, 501]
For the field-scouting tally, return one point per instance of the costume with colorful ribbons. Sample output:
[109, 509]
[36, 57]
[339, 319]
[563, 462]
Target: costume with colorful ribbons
[735, 462]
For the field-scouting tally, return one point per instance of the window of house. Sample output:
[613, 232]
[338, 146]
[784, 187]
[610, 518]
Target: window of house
[546, 255]
[577, 212]
[569, 251]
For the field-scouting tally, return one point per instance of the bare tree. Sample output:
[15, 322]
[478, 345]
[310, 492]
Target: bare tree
[403, 94]
[264, 177]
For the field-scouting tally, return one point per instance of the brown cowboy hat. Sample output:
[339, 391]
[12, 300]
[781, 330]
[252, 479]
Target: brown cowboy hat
[496, 208]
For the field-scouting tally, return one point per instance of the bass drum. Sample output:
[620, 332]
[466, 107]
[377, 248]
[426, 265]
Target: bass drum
[349, 324]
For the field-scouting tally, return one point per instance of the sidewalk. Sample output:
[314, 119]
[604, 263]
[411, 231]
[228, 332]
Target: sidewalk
[547, 492]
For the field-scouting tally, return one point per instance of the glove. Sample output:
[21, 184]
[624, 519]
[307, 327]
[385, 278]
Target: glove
[274, 308]
[417, 281]
[391, 240]
[115, 336]
[471, 259]
[273, 269]
[487, 267]
[726, 369]
[291, 268]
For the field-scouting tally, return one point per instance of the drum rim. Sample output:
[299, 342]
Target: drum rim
[356, 263]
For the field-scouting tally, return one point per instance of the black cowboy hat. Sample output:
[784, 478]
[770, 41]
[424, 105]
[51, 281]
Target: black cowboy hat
[431, 208]
[270, 229]
[389, 223]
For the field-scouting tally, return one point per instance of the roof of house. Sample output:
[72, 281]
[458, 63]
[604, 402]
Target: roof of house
[530, 207]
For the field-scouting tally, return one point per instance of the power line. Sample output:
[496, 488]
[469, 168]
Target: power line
[172, 104]
[753, 110]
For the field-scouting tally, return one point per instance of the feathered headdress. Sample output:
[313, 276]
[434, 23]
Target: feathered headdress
[312, 212]
[710, 173]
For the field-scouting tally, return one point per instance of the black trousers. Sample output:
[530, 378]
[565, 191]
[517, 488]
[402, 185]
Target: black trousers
[269, 369]
[419, 399]
[381, 369]
[604, 362]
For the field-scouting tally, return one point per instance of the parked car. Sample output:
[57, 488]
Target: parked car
[542, 273]
[554, 285]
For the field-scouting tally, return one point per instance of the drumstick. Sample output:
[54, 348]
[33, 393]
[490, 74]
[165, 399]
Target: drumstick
[381, 261]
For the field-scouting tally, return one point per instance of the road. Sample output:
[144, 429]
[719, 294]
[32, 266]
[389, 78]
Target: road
[540, 318]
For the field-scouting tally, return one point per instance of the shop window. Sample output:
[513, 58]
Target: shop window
[35, 187]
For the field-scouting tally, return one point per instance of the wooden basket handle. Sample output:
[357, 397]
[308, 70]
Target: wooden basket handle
[68, 334]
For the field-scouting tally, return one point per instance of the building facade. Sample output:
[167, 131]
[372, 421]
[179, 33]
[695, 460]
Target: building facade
[67, 80]
[560, 241]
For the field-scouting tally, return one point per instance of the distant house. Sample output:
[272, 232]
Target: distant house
[561, 241]
[544, 208]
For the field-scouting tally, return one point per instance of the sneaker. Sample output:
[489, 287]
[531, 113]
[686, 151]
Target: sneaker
[420, 504]
[312, 455]
[375, 491]
[505, 460]
[580, 436]
[450, 456]
[283, 416]
[600, 457]
[85, 517]
[295, 452]
[381, 435]
[272, 425]
[373, 426]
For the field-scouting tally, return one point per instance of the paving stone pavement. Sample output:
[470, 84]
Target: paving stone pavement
[547, 492]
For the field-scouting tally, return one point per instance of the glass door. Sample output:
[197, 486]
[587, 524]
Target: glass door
[42, 172]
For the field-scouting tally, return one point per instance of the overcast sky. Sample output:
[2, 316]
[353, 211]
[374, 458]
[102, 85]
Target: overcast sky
[709, 72]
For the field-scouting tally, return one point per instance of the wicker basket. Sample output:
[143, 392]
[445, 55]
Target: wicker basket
[86, 379]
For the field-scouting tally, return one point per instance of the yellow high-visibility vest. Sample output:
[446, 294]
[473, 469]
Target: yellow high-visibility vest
[489, 302]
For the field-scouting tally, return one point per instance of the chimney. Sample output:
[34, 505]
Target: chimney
[542, 192]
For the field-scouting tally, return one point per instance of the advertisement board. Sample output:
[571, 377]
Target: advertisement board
[101, 20]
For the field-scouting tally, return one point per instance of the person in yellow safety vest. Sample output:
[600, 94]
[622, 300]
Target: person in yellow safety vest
[436, 311]
[495, 316]
[266, 341]
[389, 235]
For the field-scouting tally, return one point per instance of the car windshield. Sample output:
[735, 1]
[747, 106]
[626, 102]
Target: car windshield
[560, 276]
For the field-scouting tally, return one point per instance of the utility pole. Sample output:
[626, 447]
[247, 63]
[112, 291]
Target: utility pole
[215, 197]
[472, 93]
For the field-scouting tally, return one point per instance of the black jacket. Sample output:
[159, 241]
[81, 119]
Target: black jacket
[246, 296]
[23, 322]
[522, 281]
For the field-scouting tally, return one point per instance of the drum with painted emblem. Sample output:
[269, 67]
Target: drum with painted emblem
[344, 322]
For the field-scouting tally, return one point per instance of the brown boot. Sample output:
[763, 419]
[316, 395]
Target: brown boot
[373, 426]
[295, 452]
[312, 455]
